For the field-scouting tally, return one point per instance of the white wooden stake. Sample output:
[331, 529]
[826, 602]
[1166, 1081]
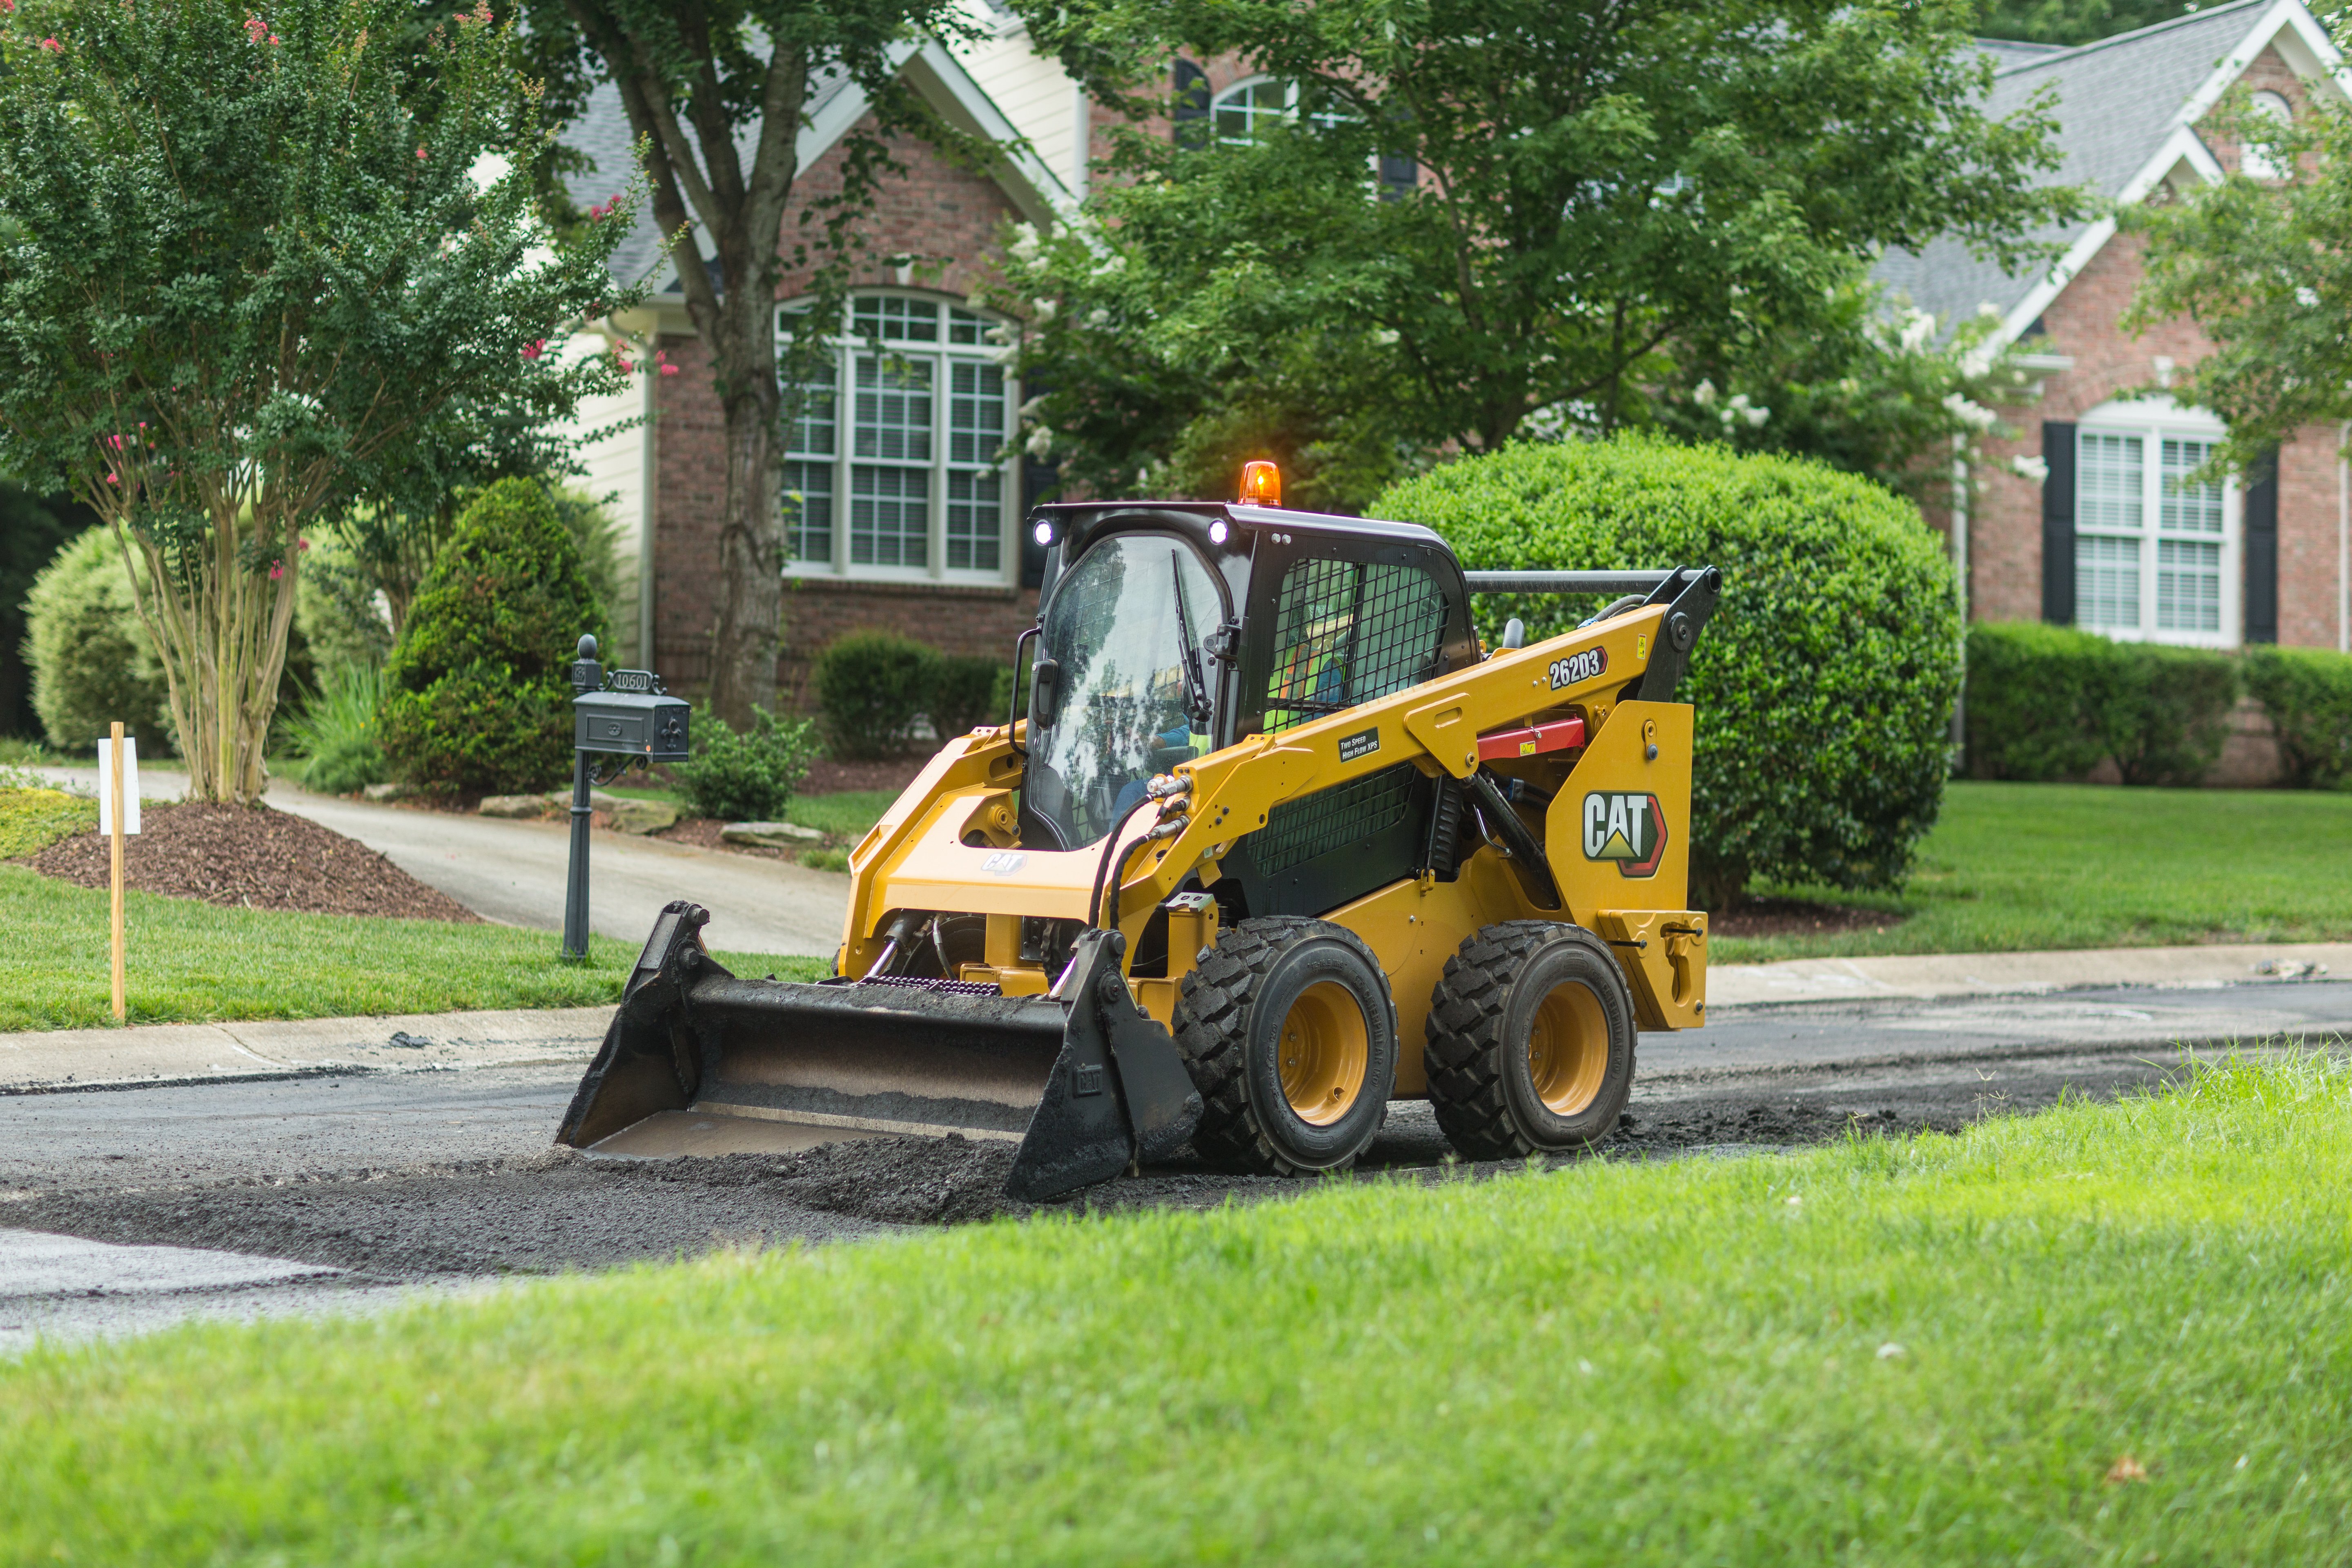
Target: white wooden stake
[114, 746]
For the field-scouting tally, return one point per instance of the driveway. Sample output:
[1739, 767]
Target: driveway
[513, 872]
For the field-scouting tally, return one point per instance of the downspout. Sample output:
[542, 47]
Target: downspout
[1960, 591]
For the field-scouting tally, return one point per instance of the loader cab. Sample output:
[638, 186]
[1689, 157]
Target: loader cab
[1291, 617]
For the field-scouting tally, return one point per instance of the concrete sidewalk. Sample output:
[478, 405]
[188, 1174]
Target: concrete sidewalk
[166, 1053]
[1934, 975]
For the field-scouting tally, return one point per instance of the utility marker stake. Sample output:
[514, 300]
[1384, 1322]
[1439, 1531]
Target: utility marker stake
[118, 823]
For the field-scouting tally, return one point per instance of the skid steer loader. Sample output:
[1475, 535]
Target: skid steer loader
[1277, 842]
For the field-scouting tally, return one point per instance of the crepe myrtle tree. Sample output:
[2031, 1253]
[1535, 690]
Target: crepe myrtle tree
[718, 93]
[242, 276]
[1473, 214]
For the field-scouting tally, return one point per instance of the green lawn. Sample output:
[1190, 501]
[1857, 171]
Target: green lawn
[2015, 865]
[195, 961]
[2106, 1334]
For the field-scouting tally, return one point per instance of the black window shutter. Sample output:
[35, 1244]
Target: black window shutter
[1398, 173]
[1191, 113]
[2261, 551]
[2058, 523]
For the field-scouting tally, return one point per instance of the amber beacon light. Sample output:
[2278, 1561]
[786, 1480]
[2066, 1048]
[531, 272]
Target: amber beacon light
[1261, 484]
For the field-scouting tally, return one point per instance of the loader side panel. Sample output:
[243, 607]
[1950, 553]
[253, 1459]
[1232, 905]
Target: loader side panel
[1333, 847]
[1617, 834]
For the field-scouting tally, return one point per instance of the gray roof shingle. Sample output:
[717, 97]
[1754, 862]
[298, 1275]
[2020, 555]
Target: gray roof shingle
[2117, 100]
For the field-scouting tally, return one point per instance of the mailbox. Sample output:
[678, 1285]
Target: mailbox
[631, 717]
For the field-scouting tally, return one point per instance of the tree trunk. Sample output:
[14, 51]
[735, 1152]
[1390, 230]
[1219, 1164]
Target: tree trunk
[744, 637]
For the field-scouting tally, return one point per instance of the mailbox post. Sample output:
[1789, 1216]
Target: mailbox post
[625, 716]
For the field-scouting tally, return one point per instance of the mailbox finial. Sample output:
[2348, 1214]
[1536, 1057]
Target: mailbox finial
[587, 645]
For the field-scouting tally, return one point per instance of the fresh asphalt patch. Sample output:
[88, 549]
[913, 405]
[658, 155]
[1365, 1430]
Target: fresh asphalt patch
[448, 1179]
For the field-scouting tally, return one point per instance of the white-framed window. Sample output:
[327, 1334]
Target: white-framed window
[1247, 109]
[2156, 551]
[2257, 163]
[896, 466]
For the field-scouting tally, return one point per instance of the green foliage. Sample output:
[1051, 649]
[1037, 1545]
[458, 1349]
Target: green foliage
[611, 573]
[32, 530]
[246, 277]
[1824, 682]
[2035, 692]
[963, 694]
[2074, 21]
[871, 688]
[2307, 693]
[478, 696]
[1604, 213]
[33, 819]
[748, 777]
[1886, 1350]
[336, 612]
[2051, 702]
[338, 732]
[92, 662]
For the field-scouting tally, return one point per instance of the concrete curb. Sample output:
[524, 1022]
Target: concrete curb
[177, 1053]
[1928, 976]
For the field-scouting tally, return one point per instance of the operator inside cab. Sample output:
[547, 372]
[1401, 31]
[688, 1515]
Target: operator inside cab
[1131, 694]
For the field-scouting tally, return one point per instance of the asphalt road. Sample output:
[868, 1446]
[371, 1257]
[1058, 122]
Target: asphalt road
[390, 1183]
[514, 872]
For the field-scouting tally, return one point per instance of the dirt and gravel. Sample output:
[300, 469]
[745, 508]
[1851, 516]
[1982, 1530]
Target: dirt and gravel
[545, 1210]
[252, 858]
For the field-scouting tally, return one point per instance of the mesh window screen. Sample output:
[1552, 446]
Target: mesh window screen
[1298, 830]
[1345, 632]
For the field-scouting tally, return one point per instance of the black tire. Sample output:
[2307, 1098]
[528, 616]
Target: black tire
[1321, 981]
[1503, 1088]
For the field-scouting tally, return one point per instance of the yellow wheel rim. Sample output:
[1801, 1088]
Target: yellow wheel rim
[1567, 1048]
[1324, 1050]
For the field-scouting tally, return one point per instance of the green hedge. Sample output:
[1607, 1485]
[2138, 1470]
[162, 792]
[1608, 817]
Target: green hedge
[91, 659]
[746, 777]
[2308, 694]
[874, 687]
[1825, 684]
[478, 696]
[2051, 702]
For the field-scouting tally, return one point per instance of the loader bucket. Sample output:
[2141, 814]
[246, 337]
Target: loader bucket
[697, 1061]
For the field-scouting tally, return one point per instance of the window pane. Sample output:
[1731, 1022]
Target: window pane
[894, 409]
[2107, 583]
[1345, 633]
[2188, 585]
[2107, 481]
[895, 320]
[814, 431]
[1242, 111]
[808, 511]
[975, 521]
[889, 516]
[975, 412]
[2189, 508]
[963, 327]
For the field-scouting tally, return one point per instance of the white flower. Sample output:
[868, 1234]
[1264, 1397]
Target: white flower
[1385, 337]
[1029, 409]
[1025, 242]
[1043, 308]
[1040, 444]
[1756, 417]
[2028, 468]
[1977, 361]
[998, 334]
[2306, 297]
[1704, 395]
[1098, 317]
[1112, 267]
[1974, 415]
[1009, 355]
[1918, 326]
[1988, 309]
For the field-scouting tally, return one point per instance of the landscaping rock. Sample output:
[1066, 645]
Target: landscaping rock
[643, 816]
[388, 791]
[597, 800]
[771, 835]
[514, 805]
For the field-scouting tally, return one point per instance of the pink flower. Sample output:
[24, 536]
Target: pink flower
[54, 47]
[420, 154]
[301, 544]
[625, 366]
[669, 370]
[277, 570]
[535, 349]
[661, 357]
[256, 29]
[112, 480]
[115, 442]
[273, 39]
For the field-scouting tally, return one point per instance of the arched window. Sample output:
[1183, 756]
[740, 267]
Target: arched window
[906, 476]
[1245, 110]
[2257, 163]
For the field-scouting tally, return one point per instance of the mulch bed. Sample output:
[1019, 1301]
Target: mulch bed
[1796, 917]
[250, 857]
[702, 832]
[827, 777]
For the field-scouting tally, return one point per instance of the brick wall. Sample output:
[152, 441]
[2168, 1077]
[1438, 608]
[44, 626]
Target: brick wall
[2005, 526]
[946, 217]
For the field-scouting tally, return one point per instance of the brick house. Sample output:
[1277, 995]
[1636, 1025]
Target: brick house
[2112, 540]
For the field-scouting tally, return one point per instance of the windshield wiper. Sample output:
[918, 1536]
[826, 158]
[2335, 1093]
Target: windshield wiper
[1196, 682]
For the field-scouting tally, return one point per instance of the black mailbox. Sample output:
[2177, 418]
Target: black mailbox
[633, 717]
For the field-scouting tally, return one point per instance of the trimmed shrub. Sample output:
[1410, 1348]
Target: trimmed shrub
[33, 819]
[963, 697]
[2036, 694]
[871, 688]
[478, 691]
[336, 730]
[2170, 713]
[1824, 682]
[2307, 691]
[92, 662]
[747, 776]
